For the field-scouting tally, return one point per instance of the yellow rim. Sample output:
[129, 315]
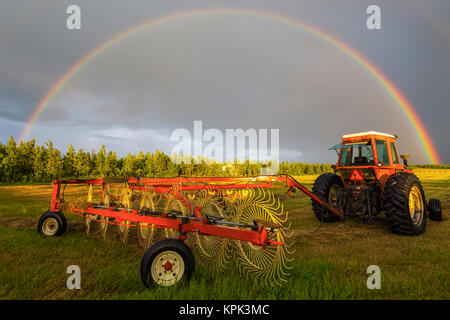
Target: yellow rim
[333, 194]
[416, 207]
[167, 268]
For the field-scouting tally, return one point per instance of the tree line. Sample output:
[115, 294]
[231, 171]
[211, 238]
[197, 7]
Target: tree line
[30, 162]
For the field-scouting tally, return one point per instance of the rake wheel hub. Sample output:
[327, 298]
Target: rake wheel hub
[167, 266]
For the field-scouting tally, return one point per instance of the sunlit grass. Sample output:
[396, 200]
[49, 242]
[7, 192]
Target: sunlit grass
[330, 262]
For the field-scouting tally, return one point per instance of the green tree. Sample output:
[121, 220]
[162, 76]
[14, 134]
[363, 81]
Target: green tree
[69, 163]
[10, 161]
[82, 164]
[2, 156]
[112, 164]
[140, 166]
[25, 151]
[163, 166]
[101, 168]
[54, 168]
[40, 163]
[129, 166]
[309, 169]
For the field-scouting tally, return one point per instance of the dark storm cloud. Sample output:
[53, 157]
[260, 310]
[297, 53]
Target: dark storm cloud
[229, 71]
[171, 77]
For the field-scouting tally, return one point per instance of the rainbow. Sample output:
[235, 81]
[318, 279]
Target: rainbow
[395, 93]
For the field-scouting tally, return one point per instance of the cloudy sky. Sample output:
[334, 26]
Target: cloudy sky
[227, 70]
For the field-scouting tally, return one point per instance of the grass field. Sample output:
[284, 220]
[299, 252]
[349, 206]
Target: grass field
[330, 262]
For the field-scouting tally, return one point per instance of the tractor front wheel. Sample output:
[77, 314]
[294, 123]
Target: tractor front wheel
[327, 186]
[404, 204]
[166, 263]
[52, 224]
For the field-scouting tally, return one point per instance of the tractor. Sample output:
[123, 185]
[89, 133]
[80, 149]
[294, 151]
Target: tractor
[369, 178]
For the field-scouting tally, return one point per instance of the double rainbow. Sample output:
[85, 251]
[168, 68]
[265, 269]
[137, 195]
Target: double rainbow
[395, 93]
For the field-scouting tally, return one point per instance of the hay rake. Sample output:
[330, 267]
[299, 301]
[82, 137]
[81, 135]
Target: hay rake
[217, 217]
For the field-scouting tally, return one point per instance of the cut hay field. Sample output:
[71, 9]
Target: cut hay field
[330, 261]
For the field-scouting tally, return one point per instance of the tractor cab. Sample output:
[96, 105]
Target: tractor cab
[366, 157]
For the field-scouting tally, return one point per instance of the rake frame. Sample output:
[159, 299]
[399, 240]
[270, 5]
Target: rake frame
[256, 233]
[179, 184]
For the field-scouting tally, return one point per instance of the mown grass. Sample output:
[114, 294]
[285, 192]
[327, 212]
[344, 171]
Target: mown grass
[330, 262]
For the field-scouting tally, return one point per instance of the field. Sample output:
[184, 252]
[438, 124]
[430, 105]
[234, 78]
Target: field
[330, 263]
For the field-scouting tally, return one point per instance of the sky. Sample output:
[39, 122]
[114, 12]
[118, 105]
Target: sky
[228, 70]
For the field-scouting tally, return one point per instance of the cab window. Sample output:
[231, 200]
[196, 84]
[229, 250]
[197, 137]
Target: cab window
[394, 154]
[382, 151]
[357, 154]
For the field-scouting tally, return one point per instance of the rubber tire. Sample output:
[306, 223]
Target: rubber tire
[64, 228]
[62, 223]
[164, 245]
[435, 210]
[396, 204]
[321, 188]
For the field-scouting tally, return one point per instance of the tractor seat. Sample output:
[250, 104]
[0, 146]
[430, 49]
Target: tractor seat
[361, 161]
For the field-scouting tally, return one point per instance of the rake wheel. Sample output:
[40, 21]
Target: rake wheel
[117, 194]
[266, 264]
[103, 226]
[78, 204]
[125, 198]
[169, 203]
[145, 232]
[230, 196]
[210, 250]
[87, 223]
[124, 227]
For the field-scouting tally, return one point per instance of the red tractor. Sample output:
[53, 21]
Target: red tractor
[368, 179]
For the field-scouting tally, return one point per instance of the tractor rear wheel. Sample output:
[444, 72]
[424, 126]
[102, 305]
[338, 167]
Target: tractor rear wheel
[52, 224]
[166, 263]
[327, 187]
[404, 204]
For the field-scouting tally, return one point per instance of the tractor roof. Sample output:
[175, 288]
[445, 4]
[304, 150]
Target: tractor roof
[368, 133]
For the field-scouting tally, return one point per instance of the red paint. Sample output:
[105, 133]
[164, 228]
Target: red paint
[167, 266]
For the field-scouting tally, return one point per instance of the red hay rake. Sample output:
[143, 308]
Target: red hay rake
[217, 217]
